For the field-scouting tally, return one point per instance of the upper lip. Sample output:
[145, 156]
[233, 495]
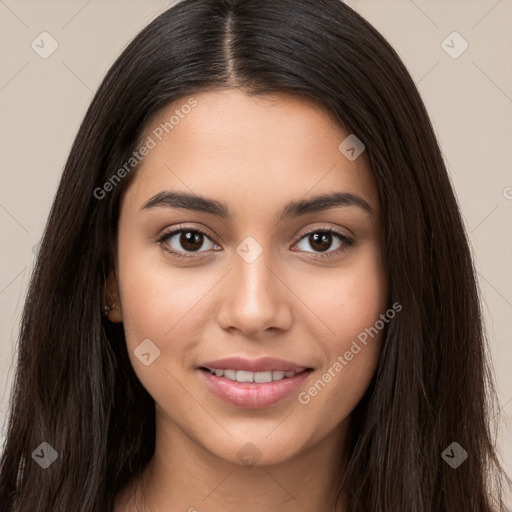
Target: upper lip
[264, 364]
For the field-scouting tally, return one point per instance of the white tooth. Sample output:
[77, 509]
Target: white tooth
[259, 377]
[244, 376]
[230, 374]
[263, 377]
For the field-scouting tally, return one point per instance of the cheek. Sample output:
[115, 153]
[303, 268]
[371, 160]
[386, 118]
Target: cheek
[161, 303]
[350, 305]
[165, 308]
[348, 299]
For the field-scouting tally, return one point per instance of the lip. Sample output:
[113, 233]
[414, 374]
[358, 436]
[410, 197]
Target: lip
[263, 364]
[249, 395]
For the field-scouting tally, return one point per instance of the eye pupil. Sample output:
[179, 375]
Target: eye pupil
[321, 240]
[191, 240]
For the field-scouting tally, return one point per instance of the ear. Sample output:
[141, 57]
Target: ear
[112, 299]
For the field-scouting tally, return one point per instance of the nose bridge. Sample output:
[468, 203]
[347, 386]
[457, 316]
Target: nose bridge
[254, 299]
[254, 278]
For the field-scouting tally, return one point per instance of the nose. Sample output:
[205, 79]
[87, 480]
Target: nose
[254, 298]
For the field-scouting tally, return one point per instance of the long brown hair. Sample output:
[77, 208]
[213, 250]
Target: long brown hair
[74, 386]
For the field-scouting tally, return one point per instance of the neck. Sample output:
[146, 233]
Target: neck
[183, 476]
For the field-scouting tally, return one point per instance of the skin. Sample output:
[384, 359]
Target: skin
[255, 154]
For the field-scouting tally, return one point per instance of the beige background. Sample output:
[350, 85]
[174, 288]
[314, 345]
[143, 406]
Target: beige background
[469, 98]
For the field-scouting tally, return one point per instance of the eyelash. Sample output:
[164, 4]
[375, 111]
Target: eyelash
[347, 242]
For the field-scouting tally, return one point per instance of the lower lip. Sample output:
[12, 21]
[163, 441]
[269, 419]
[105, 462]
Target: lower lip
[250, 395]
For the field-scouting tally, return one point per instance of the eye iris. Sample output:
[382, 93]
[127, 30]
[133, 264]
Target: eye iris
[321, 241]
[191, 240]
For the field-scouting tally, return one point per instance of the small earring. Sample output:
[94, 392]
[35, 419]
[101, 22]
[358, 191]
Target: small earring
[108, 308]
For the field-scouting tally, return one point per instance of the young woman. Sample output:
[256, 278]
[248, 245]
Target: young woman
[255, 289]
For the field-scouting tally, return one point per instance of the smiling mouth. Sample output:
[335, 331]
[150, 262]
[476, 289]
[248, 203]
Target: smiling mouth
[254, 377]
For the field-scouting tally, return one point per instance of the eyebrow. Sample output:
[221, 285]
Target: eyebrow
[319, 203]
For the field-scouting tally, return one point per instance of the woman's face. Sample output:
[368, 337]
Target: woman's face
[273, 275]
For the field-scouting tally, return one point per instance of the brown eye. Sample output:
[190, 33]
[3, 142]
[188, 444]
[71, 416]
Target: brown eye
[191, 240]
[321, 240]
[181, 241]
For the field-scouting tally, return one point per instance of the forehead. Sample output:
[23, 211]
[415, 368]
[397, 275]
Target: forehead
[246, 149]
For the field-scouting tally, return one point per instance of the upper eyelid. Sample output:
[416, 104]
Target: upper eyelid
[325, 228]
[168, 232]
